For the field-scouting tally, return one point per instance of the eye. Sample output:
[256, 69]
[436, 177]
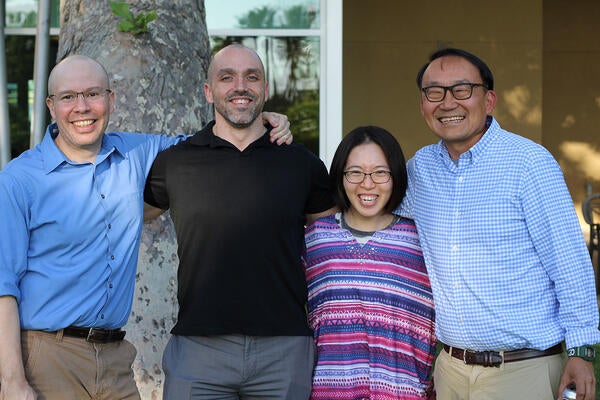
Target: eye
[253, 78]
[461, 89]
[92, 93]
[225, 78]
[67, 96]
[435, 91]
[381, 173]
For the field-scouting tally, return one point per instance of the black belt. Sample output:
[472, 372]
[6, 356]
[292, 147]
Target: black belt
[495, 358]
[95, 335]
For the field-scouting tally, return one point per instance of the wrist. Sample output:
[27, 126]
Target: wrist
[588, 353]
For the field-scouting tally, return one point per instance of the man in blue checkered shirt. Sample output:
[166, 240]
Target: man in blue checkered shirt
[511, 276]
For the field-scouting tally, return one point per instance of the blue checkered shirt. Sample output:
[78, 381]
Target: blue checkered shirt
[504, 249]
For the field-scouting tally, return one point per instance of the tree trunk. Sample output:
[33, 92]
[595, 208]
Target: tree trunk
[157, 78]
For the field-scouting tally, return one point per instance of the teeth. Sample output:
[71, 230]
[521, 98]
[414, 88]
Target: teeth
[367, 198]
[444, 120]
[83, 123]
[240, 101]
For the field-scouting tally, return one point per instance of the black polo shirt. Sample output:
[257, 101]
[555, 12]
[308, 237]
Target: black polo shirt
[239, 218]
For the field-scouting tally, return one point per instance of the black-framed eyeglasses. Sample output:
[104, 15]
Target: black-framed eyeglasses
[460, 91]
[380, 176]
[90, 95]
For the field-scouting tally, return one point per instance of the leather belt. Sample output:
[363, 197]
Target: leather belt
[496, 358]
[95, 335]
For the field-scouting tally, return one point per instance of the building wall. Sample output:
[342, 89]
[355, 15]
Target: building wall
[385, 43]
[544, 55]
[571, 81]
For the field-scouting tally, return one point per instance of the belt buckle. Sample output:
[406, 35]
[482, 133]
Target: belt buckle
[89, 335]
[465, 355]
[490, 358]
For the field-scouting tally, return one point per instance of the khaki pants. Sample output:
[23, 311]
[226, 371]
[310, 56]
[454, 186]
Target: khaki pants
[65, 368]
[533, 379]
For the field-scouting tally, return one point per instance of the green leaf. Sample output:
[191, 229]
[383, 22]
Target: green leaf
[126, 26]
[121, 9]
[151, 16]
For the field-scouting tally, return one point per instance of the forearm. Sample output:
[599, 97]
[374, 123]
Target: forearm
[12, 373]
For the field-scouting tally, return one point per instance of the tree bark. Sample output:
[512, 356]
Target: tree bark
[157, 78]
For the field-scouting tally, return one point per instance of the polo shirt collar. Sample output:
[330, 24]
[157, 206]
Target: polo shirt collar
[53, 157]
[207, 138]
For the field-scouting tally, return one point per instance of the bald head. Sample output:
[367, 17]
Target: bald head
[226, 53]
[73, 68]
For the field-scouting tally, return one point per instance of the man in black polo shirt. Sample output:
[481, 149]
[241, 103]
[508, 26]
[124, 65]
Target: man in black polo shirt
[239, 204]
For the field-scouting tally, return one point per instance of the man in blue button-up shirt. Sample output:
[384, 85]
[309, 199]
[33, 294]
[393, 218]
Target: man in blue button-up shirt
[510, 273]
[71, 213]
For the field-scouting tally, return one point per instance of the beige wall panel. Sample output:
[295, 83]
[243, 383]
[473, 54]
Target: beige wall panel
[386, 42]
[571, 118]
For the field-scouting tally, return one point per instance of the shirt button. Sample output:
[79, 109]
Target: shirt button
[454, 247]
[460, 179]
[102, 316]
[102, 196]
[109, 226]
[110, 285]
[112, 257]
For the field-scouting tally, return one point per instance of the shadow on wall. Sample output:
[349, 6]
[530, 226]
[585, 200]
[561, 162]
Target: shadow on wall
[584, 158]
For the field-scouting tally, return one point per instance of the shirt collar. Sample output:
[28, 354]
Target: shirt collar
[53, 157]
[475, 152]
[207, 138]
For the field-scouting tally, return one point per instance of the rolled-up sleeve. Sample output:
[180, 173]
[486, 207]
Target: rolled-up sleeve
[14, 236]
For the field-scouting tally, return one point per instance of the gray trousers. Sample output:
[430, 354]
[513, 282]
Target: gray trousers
[232, 367]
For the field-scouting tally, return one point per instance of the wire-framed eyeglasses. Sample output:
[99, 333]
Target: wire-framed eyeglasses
[460, 91]
[380, 176]
[90, 95]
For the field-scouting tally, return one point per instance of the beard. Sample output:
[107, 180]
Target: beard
[237, 117]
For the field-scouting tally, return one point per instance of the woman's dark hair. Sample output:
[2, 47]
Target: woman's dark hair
[393, 154]
[486, 74]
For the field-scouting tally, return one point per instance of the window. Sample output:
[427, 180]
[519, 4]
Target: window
[287, 37]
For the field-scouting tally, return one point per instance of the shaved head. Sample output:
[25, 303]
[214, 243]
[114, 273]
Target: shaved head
[76, 62]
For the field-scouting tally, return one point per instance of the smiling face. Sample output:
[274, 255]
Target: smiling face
[237, 87]
[459, 123]
[81, 124]
[367, 199]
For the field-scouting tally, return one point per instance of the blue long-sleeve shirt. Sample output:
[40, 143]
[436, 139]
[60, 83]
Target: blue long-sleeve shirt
[504, 250]
[69, 232]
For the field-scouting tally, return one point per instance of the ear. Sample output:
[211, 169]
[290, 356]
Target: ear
[266, 91]
[490, 101]
[111, 101]
[421, 100]
[208, 94]
[50, 105]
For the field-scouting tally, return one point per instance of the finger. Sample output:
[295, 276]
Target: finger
[284, 139]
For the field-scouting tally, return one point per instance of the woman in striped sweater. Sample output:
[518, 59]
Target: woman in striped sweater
[369, 297]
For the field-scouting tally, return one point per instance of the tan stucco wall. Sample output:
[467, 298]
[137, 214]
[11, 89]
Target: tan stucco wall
[571, 82]
[385, 43]
[545, 55]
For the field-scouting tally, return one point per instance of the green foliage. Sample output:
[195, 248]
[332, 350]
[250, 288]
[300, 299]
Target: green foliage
[134, 24]
[303, 114]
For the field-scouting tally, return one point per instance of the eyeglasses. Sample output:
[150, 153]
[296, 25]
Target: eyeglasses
[90, 95]
[380, 176]
[460, 91]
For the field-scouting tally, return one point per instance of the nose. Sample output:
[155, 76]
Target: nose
[448, 101]
[81, 101]
[367, 181]
[240, 84]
